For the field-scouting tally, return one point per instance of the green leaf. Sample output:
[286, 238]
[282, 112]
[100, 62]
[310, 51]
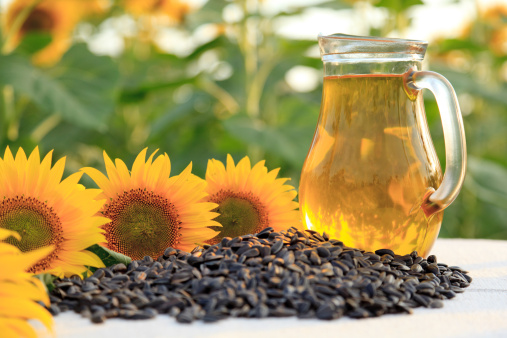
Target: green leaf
[333, 4]
[398, 5]
[201, 49]
[80, 88]
[488, 181]
[109, 257]
[294, 10]
[176, 113]
[463, 82]
[134, 95]
[211, 12]
[34, 42]
[267, 137]
[48, 280]
[459, 44]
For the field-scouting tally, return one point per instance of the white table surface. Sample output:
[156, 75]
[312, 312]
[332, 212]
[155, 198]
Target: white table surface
[481, 311]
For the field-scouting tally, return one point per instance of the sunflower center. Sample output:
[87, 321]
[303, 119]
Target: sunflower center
[142, 224]
[39, 20]
[157, 4]
[36, 223]
[240, 214]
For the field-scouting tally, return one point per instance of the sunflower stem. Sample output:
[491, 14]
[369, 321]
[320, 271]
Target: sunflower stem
[227, 100]
[45, 127]
[2, 120]
[9, 110]
[254, 81]
[250, 55]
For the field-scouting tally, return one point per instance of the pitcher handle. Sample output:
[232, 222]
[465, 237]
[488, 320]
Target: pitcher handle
[454, 137]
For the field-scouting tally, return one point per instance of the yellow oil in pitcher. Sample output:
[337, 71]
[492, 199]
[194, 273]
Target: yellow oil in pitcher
[370, 164]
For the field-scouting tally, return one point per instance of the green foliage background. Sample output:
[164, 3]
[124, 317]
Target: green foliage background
[149, 98]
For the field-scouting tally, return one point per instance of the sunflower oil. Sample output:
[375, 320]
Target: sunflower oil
[370, 165]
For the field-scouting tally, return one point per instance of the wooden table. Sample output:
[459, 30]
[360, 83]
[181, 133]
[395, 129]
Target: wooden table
[479, 312]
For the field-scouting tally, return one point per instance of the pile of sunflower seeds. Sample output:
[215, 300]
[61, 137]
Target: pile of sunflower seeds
[275, 274]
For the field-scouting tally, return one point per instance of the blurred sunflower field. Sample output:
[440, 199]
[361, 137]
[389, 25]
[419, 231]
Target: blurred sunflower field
[201, 79]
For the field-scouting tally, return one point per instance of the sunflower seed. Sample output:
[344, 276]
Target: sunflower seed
[88, 286]
[278, 274]
[433, 268]
[120, 278]
[187, 316]
[98, 318]
[383, 252]
[323, 252]
[431, 259]
[99, 273]
[277, 246]
[251, 253]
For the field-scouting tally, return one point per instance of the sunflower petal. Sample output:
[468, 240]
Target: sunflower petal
[55, 175]
[112, 173]
[20, 327]
[45, 169]
[100, 179]
[32, 172]
[137, 172]
[123, 173]
[25, 309]
[25, 290]
[4, 233]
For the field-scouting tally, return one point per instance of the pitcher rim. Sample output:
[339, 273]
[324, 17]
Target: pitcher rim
[370, 38]
[370, 46]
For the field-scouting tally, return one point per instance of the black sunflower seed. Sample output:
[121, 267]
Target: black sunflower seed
[277, 246]
[277, 274]
[98, 318]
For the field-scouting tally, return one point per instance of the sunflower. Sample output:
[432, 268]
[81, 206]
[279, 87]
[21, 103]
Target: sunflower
[54, 17]
[496, 17]
[151, 211]
[249, 199]
[19, 291]
[44, 211]
[175, 10]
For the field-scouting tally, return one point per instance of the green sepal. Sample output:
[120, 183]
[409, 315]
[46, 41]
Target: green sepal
[48, 280]
[109, 257]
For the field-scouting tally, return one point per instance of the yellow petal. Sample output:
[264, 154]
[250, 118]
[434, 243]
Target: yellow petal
[55, 176]
[112, 174]
[21, 327]
[243, 171]
[15, 328]
[7, 249]
[149, 163]
[100, 179]
[26, 309]
[123, 174]
[155, 173]
[23, 289]
[21, 158]
[232, 178]
[32, 172]
[8, 155]
[84, 258]
[24, 261]
[4, 233]
[138, 167]
[165, 170]
[45, 168]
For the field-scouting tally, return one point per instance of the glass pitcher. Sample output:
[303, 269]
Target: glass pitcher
[372, 178]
